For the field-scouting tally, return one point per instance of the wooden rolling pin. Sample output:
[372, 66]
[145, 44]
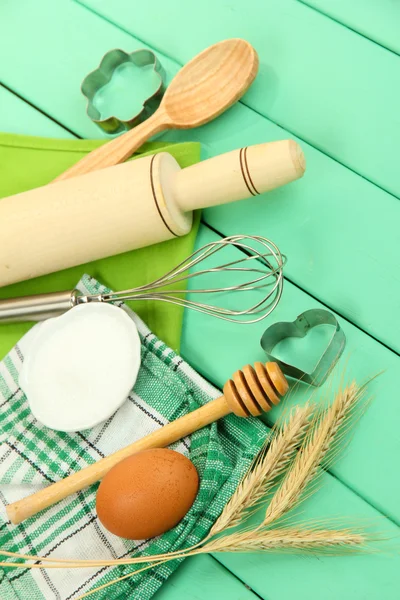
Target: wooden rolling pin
[250, 392]
[130, 205]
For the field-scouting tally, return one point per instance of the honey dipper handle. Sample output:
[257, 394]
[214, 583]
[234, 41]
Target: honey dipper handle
[174, 431]
[118, 149]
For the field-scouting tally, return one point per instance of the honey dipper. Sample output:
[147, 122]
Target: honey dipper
[250, 392]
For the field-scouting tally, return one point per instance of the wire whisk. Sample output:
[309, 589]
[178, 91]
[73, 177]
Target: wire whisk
[261, 264]
[253, 267]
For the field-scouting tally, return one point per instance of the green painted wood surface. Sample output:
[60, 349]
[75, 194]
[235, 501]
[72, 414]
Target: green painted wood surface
[16, 116]
[377, 433]
[324, 224]
[378, 20]
[368, 577]
[202, 578]
[330, 205]
[50, 74]
[374, 576]
[317, 79]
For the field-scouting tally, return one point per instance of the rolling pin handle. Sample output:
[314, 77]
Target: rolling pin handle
[239, 174]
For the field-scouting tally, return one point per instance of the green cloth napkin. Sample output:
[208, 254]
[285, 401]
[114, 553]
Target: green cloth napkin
[28, 162]
[32, 455]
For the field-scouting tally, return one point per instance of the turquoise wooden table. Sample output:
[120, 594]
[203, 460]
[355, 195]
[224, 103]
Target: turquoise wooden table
[329, 78]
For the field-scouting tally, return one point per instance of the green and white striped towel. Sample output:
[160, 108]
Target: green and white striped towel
[33, 456]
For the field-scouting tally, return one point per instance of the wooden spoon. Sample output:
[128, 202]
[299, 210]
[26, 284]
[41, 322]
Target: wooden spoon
[203, 89]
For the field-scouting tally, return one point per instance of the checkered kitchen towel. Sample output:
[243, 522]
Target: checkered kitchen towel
[32, 456]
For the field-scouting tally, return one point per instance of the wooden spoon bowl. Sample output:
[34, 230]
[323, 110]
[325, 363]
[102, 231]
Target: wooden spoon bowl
[203, 89]
[210, 83]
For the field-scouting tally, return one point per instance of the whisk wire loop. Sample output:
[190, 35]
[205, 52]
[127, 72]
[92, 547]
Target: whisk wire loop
[261, 260]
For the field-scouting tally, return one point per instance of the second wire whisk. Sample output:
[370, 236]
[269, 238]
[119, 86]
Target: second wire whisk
[255, 270]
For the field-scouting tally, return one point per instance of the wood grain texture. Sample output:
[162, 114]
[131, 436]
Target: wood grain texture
[117, 150]
[239, 174]
[190, 100]
[317, 78]
[310, 253]
[370, 577]
[201, 577]
[362, 359]
[340, 233]
[281, 576]
[128, 206]
[16, 116]
[306, 219]
[347, 290]
[378, 20]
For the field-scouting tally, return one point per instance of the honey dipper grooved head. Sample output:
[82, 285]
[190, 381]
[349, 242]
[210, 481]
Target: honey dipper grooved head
[252, 391]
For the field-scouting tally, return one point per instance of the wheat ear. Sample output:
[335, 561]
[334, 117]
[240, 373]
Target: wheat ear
[270, 464]
[314, 450]
[286, 538]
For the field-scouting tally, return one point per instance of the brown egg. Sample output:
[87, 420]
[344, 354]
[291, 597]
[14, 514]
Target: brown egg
[147, 494]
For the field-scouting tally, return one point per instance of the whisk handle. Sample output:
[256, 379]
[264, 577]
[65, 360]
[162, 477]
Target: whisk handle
[239, 174]
[37, 307]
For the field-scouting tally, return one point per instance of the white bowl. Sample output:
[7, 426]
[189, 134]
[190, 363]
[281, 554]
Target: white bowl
[80, 367]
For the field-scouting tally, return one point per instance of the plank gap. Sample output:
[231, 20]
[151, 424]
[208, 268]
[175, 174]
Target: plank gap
[17, 95]
[347, 26]
[277, 123]
[314, 297]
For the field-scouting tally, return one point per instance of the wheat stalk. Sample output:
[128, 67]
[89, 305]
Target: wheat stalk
[253, 540]
[313, 452]
[271, 463]
[268, 540]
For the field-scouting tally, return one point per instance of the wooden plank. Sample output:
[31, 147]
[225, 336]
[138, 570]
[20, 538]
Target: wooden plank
[323, 222]
[341, 234]
[378, 20]
[369, 576]
[371, 586]
[50, 74]
[200, 581]
[317, 79]
[199, 576]
[217, 349]
[16, 116]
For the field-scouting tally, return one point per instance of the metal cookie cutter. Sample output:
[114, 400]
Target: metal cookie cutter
[94, 86]
[299, 329]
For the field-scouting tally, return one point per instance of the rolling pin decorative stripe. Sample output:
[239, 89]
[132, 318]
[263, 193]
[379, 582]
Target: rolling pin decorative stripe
[250, 392]
[155, 198]
[128, 206]
[246, 173]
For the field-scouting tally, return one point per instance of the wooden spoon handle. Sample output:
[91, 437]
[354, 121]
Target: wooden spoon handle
[117, 150]
[176, 430]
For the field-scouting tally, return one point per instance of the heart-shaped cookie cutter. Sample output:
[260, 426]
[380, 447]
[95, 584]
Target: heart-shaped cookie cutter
[299, 329]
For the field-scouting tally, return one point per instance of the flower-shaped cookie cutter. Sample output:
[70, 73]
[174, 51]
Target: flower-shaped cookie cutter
[96, 81]
[299, 329]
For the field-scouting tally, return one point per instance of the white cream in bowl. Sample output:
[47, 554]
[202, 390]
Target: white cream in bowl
[80, 367]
